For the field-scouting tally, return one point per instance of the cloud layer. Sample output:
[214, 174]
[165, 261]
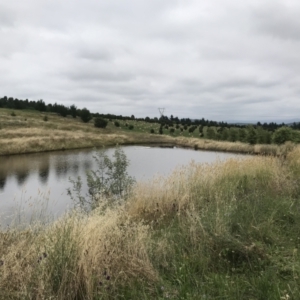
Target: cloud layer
[220, 59]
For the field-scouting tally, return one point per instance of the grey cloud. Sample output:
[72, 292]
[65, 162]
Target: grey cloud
[279, 19]
[97, 75]
[95, 54]
[7, 18]
[220, 59]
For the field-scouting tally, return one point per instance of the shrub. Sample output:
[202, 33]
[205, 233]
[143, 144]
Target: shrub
[251, 135]
[172, 130]
[152, 130]
[283, 134]
[109, 183]
[117, 124]
[85, 115]
[45, 118]
[100, 123]
[192, 129]
[13, 114]
[131, 127]
[210, 133]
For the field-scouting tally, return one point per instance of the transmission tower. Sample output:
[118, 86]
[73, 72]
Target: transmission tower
[161, 111]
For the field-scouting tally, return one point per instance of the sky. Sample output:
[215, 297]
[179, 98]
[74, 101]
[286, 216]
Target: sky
[222, 60]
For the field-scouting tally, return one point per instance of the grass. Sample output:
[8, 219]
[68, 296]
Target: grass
[229, 230]
[28, 131]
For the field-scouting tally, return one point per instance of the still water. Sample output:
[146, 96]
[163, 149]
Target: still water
[38, 182]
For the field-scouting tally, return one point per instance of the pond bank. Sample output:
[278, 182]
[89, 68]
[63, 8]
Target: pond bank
[26, 140]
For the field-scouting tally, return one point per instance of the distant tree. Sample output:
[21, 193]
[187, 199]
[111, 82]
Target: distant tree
[62, 110]
[160, 130]
[100, 122]
[40, 105]
[251, 135]
[263, 136]
[242, 135]
[210, 133]
[73, 111]
[192, 128]
[85, 115]
[233, 134]
[225, 134]
[283, 134]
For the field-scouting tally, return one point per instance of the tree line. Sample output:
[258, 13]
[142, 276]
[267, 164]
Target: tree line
[259, 133]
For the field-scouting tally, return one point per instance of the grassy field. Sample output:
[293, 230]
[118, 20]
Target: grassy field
[32, 131]
[230, 230]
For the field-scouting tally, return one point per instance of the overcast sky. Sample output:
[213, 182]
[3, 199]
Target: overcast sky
[218, 59]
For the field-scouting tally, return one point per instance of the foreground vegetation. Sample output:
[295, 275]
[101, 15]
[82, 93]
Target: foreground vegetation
[229, 230]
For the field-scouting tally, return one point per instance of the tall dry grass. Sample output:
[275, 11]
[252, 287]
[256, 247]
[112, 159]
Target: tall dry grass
[226, 229]
[77, 257]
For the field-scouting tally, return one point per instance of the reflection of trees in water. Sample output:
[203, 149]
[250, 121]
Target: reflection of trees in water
[87, 165]
[62, 166]
[21, 177]
[44, 174]
[75, 168]
[44, 169]
[2, 181]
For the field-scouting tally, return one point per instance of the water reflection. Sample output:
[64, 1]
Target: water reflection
[2, 181]
[44, 174]
[75, 168]
[87, 164]
[21, 176]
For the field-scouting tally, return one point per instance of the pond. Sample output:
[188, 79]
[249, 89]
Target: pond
[35, 183]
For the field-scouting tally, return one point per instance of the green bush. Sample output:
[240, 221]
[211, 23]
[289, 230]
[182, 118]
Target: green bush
[282, 134]
[131, 127]
[85, 115]
[251, 135]
[117, 124]
[152, 130]
[109, 183]
[100, 123]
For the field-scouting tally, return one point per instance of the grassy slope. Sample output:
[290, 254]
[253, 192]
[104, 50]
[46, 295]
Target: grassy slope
[224, 231]
[28, 132]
